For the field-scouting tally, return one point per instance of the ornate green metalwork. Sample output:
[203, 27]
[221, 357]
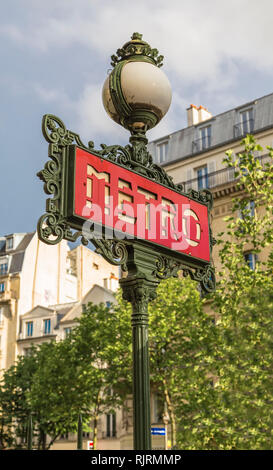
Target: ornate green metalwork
[53, 225]
[145, 265]
[113, 251]
[127, 115]
[137, 49]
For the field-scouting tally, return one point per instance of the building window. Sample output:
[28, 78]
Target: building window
[95, 266]
[245, 124]
[162, 152]
[67, 331]
[2, 287]
[29, 328]
[111, 428]
[47, 326]
[247, 121]
[9, 245]
[205, 134]
[1, 316]
[249, 210]
[202, 177]
[251, 260]
[3, 268]
[105, 283]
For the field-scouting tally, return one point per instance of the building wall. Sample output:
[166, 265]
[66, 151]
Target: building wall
[47, 275]
[91, 269]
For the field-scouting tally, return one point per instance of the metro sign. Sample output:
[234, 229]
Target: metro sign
[125, 204]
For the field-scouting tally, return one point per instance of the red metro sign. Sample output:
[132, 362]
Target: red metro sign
[128, 205]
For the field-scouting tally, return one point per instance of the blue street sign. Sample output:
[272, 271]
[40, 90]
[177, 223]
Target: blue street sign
[158, 431]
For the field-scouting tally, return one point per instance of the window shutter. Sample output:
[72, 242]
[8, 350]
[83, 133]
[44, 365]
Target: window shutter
[230, 171]
[211, 169]
[188, 183]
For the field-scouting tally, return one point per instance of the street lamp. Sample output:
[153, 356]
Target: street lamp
[137, 94]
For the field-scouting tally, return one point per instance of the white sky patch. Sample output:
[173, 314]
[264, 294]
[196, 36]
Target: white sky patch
[93, 120]
[196, 37]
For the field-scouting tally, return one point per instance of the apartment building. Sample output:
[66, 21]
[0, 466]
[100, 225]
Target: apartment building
[194, 155]
[37, 276]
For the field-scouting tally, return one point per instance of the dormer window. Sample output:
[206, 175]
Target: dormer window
[203, 141]
[205, 137]
[3, 267]
[9, 244]
[245, 122]
[162, 151]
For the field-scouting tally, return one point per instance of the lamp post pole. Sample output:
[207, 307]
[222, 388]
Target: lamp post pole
[29, 432]
[79, 432]
[139, 287]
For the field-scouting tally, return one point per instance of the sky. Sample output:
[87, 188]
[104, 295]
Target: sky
[55, 57]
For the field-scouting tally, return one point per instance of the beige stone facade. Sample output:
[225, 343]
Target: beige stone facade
[33, 274]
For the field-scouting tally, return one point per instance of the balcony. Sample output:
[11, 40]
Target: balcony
[201, 144]
[217, 178]
[6, 295]
[244, 127]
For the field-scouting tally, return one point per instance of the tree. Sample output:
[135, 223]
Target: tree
[55, 394]
[244, 356]
[181, 339]
[14, 405]
[101, 346]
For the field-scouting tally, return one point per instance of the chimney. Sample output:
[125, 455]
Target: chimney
[196, 115]
[193, 115]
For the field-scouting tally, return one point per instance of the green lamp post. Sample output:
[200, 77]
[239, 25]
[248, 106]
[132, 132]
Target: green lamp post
[136, 95]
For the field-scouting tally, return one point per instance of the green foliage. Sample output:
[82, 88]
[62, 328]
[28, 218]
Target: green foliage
[181, 338]
[216, 378]
[86, 373]
[243, 418]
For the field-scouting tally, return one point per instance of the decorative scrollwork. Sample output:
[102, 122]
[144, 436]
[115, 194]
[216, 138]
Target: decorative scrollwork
[53, 226]
[134, 48]
[204, 196]
[55, 132]
[167, 267]
[205, 276]
[136, 157]
[113, 251]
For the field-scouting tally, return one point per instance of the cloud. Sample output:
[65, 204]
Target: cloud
[198, 38]
[206, 45]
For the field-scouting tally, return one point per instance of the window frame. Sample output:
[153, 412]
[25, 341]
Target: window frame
[164, 147]
[3, 272]
[204, 177]
[9, 243]
[247, 124]
[46, 329]
[205, 140]
[29, 324]
[252, 265]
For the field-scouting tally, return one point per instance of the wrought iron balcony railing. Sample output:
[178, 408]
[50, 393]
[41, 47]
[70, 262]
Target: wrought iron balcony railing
[217, 178]
[244, 127]
[201, 144]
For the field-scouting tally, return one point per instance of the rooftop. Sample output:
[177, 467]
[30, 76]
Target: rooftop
[212, 132]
